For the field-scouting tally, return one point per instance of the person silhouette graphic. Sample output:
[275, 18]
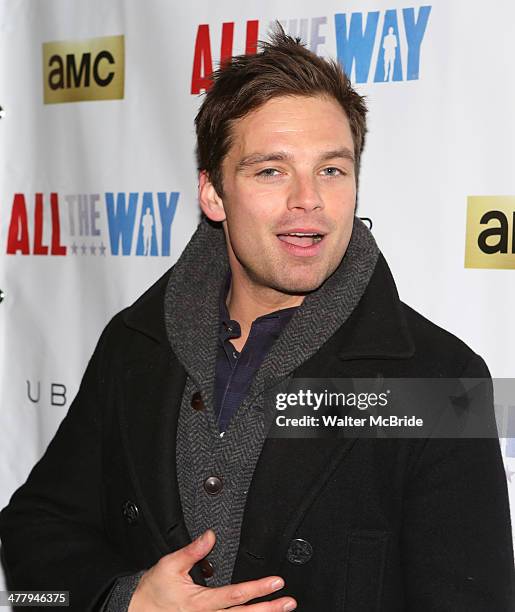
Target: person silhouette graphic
[390, 45]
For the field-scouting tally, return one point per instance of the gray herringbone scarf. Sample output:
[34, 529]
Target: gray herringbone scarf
[192, 321]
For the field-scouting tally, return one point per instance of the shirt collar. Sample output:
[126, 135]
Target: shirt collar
[231, 328]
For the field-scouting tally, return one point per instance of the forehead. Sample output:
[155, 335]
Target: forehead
[315, 122]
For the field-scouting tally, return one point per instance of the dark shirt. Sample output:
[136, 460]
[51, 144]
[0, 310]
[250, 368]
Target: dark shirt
[234, 370]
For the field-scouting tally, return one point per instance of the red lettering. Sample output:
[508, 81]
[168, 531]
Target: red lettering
[18, 235]
[252, 37]
[202, 61]
[57, 247]
[39, 247]
[227, 42]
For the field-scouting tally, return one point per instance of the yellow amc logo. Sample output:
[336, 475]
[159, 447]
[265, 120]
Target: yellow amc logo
[490, 232]
[91, 69]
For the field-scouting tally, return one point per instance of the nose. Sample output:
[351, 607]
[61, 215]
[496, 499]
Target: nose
[304, 194]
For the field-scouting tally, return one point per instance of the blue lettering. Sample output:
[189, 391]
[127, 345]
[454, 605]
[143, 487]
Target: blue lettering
[167, 213]
[121, 221]
[389, 65]
[356, 46]
[415, 31]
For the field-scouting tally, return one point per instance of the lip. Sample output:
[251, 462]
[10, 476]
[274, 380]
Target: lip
[301, 251]
[302, 230]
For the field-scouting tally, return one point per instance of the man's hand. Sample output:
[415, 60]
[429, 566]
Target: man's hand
[168, 587]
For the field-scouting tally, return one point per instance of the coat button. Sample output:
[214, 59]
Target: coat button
[196, 401]
[131, 512]
[206, 567]
[299, 552]
[213, 485]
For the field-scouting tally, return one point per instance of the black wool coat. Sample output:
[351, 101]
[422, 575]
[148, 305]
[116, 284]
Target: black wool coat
[419, 525]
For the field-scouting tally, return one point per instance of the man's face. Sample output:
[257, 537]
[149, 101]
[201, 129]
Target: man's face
[288, 175]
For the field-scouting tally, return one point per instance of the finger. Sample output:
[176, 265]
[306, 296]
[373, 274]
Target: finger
[184, 559]
[236, 594]
[284, 604]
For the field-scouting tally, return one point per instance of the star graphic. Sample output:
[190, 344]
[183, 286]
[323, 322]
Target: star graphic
[83, 249]
[102, 249]
[74, 248]
[93, 249]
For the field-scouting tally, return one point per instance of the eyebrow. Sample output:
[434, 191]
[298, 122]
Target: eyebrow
[258, 158]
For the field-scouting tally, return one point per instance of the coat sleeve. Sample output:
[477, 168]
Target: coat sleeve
[456, 540]
[121, 594]
[52, 529]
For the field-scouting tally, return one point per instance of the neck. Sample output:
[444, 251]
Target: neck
[246, 301]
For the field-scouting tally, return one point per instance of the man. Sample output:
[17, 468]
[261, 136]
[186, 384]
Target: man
[165, 451]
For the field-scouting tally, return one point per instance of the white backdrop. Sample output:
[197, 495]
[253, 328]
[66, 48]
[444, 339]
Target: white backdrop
[441, 129]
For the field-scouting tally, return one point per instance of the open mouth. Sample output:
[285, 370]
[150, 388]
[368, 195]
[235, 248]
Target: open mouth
[301, 239]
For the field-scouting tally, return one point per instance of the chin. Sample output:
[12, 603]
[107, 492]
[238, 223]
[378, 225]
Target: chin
[298, 286]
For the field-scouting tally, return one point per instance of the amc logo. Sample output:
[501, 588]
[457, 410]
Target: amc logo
[490, 239]
[92, 69]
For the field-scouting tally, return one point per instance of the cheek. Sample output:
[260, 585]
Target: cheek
[245, 226]
[252, 212]
[340, 206]
[341, 195]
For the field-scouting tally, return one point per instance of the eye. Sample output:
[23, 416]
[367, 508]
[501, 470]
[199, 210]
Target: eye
[332, 171]
[268, 173]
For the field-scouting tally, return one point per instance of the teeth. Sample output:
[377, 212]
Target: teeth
[316, 238]
[300, 234]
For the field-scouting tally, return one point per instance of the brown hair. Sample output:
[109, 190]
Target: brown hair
[282, 67]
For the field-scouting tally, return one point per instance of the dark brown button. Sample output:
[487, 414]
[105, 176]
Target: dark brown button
[206, 567]
[213, 485]
[196, 401]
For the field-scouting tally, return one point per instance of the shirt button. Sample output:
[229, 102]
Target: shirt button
[235, 354]
[196, 401]
[206, 567]
[213, 485]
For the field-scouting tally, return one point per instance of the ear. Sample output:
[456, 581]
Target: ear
[210, 202]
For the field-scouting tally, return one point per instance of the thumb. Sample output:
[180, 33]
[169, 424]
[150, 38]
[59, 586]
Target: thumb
[186, 557]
